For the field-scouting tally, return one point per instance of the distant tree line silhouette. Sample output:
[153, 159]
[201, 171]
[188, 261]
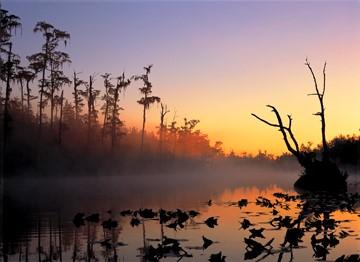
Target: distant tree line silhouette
[43, 130]
[343, 149]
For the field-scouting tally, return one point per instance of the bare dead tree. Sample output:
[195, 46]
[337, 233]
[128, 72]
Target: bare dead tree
[289, 138]
[320, 95]
[323, 174]
[162, 126]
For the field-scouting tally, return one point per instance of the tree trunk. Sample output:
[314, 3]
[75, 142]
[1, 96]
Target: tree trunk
[320, 96]
[161, 138]
[113, 121]
[41, 98]
[52, 92]
[163, 113]
[105, 116]
[76, 98]
[89, 111]
[6, 111]
[143, 126]
[52, 106]
[61, 116]
[22, 95]
[42, 86]
[326, 155]
[28, 98]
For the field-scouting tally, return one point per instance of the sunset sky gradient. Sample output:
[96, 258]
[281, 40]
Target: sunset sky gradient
[216, 61]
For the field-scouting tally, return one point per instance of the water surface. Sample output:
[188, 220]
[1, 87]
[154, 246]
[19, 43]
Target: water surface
[38, 215]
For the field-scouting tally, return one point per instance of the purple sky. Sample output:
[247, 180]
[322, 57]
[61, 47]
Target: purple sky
[215, 61]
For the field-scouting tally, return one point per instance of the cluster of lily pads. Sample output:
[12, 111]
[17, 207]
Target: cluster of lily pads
[314, 217]
[168, 247]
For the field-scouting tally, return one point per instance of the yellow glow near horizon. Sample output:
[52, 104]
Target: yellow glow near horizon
[220, 62]
[227, 117]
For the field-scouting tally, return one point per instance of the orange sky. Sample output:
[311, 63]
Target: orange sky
[218, 61]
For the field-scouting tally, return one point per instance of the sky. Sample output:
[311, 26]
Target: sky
[216, 61]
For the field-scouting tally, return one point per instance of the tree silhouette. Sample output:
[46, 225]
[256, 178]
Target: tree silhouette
[68, 115]
[28, 76]
[173, 130]
[121, 85]
[56, 60]
[289, 138]
[9, 74]
[58, 80]
[90, 95]
[61, 117]
[318, 174]
[77, 93]
[76, 130]
[20, 80]
[162, 127]
[147, 99]
[107, 98]
[320, 95]
[39, 61]
[8, 24]
[185, 135]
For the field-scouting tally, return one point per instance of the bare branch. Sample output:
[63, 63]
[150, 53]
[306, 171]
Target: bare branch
[322, 109]
[292, 134]
[313, 76]
[290, 121]
[266, 122]
[324, 82]
[284, 131]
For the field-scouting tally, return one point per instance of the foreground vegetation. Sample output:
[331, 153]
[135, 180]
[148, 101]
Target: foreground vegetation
[283, 226]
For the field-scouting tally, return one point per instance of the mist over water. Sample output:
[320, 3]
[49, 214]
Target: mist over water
[36, 206]
[169, 190]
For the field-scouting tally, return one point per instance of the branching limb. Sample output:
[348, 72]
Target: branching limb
[307, 63]
[265, 121]
[324, 82]
[285, 132]
[292, 134]
[321, 114]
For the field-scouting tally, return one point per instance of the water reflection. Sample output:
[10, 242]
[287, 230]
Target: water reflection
[136, 220]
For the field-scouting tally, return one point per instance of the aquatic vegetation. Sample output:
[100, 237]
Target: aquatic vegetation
[218, 257]
[246, 223]
[207, 242]
[301, 223]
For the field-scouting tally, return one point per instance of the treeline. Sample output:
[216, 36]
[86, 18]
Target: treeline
[343, 149]
[43, 131]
